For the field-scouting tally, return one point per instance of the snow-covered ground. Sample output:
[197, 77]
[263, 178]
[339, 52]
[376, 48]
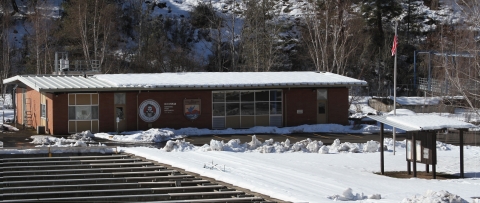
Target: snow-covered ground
[308, 174]
[305, 171]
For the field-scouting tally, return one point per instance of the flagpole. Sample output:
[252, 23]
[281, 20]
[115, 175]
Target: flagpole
[395, 86]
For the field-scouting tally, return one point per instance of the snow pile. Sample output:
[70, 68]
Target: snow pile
[348, 195]
[344, 147]
[388, 144]
[43, 140]
[443, 146]
[305, 146]
[85, 136]
[149, 136]
[359, 107]
[164, 134]
[371, 146]
[270, 146]
[7, 127]
[439, 197]
[178, 146]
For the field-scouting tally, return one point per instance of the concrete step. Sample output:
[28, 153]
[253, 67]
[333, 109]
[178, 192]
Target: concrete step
[137, 197]
[89, 175]
[111, 192]
[63, 158]
[78, 171]
[45, 188]
[75, 162]
[94, 165]
[19, 183]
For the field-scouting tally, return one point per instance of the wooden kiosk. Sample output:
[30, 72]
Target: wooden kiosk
[421, 138]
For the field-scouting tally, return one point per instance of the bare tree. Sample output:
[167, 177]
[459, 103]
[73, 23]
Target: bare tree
[5, 19]
[260, 40]
[461, 59]
[329, 34]
[92, 21]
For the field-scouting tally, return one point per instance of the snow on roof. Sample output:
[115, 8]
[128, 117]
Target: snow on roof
[58, 83]
[418, 100]
[421, 122]
[184, 80]
[229, 79]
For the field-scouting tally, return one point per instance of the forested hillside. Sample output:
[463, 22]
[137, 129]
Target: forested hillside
[348, 37]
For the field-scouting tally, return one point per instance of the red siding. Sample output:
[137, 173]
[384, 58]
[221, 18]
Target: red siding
[106, 115]
[49, 99]
[293, 100]
[176, 119]
[338, 105]
[59, 119]
[300, 99]
[18, 105]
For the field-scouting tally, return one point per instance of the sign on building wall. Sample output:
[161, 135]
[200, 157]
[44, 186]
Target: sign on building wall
[149, 110]
[191, 108]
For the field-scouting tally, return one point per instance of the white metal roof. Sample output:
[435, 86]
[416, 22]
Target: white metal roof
[229, 79]
[421, 122]
[59, 83]
[186, 80]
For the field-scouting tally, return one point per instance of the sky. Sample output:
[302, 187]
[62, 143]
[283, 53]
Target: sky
[305, 171]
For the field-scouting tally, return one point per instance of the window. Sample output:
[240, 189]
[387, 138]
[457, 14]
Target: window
[83, 111]
[43, 110]
[244, 108]
[119, 98]
[321, 108]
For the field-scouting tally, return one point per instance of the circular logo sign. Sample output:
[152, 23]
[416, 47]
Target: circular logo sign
[149, 110]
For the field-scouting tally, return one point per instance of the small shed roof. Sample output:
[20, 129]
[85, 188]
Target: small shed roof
[421, 122]
[185, 80]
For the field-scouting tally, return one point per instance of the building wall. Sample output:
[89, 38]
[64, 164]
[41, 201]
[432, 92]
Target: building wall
[18, 105]
[106, 114]
[171, 119]
[175, 117]
[338, 105]
[32, 107]
[49, 99]
[59, 118]
[299, 99]
[293, 100]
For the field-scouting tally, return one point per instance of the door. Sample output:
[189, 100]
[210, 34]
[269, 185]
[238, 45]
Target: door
[120, 108]
[322, 106]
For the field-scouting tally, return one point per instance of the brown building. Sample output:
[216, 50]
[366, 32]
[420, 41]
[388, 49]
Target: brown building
[128, 102]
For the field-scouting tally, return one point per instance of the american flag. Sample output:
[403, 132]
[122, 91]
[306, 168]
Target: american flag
[394, 47]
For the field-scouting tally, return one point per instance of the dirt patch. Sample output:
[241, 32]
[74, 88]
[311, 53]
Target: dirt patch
[19, 138]
[420, 174]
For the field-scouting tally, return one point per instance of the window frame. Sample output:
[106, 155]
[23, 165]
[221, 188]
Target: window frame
[242, 102]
